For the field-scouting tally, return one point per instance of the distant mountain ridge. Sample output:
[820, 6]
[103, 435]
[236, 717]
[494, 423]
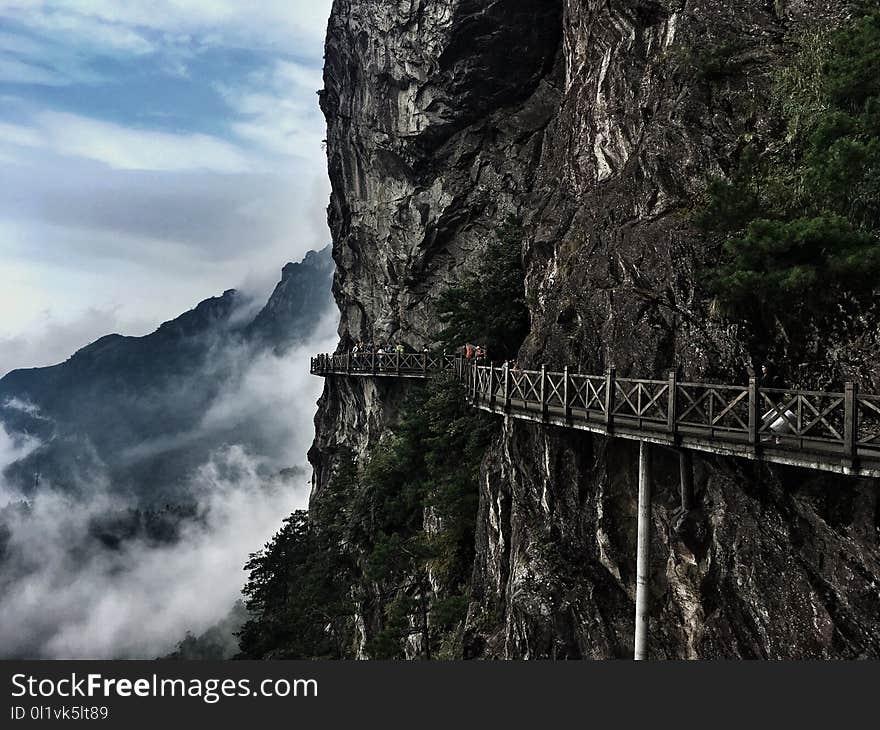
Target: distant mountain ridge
[96, 411]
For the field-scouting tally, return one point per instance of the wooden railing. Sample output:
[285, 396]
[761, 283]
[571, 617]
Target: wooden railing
[417, 364]
[831, 431]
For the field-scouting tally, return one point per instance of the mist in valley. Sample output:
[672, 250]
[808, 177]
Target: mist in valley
[85, 573]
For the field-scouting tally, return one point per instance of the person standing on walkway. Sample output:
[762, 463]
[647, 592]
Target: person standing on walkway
[768, 377]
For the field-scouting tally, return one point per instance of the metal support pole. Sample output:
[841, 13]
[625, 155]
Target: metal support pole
[672, 406]
[424, 363]
[348, 361]
[507, 387]
[643, 552]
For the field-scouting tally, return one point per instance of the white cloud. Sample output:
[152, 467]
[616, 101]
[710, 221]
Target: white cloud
[86, 29]
[97, 217]
[20, 135]
[13, 70]
[53, 339]
[278, 110]
[137, 600]
[289, 26]
[126, 148]
[12, 448]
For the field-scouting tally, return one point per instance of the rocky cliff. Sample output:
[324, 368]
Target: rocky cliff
[597, 123]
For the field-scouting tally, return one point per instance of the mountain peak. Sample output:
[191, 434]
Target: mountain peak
[304, 291]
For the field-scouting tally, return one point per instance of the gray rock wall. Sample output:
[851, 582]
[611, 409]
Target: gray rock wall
[592, 122]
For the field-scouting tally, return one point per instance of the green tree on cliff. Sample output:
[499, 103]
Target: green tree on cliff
[803, 220]
[489, 308]
[298, 590]
[427, 471]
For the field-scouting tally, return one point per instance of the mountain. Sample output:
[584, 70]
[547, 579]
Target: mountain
[130, 409]
[605, 127]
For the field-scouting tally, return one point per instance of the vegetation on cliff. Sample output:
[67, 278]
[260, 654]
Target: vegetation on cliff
[400, 530]
[490, 307]
[801, 212]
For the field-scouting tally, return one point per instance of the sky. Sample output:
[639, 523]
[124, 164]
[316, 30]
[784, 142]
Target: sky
[153, 153]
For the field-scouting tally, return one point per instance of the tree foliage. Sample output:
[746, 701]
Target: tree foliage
[298, 591]
[395, 538]
[426, 473]
[489, 308]
[802, 218]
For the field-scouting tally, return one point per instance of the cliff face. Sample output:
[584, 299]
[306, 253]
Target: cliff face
[597, 124]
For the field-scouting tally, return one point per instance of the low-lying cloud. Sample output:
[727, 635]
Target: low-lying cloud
[65, 595]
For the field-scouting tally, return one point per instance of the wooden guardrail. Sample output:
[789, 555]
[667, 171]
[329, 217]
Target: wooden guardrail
[830, 431]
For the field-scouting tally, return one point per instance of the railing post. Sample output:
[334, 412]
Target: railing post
[609, 399]
[491, 385]
[850, 423]
[507, 387]
[671, 423]
[397, 363]
[373, 361]
[754, 414]
[566, 403]
[348, 362]
[543, 392]
[425, 364]
[474, 381]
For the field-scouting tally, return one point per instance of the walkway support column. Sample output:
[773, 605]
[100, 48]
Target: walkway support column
[643, 552]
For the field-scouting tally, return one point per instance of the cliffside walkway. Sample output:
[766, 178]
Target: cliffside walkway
[829, 431]
[836, 432]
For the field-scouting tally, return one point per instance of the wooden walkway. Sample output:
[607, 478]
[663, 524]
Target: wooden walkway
[836, 432]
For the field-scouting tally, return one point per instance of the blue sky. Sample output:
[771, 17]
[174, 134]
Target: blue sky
[153, 153]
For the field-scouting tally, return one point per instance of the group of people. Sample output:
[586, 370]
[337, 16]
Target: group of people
[468, 351]
[370, 348]
[473, 352]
